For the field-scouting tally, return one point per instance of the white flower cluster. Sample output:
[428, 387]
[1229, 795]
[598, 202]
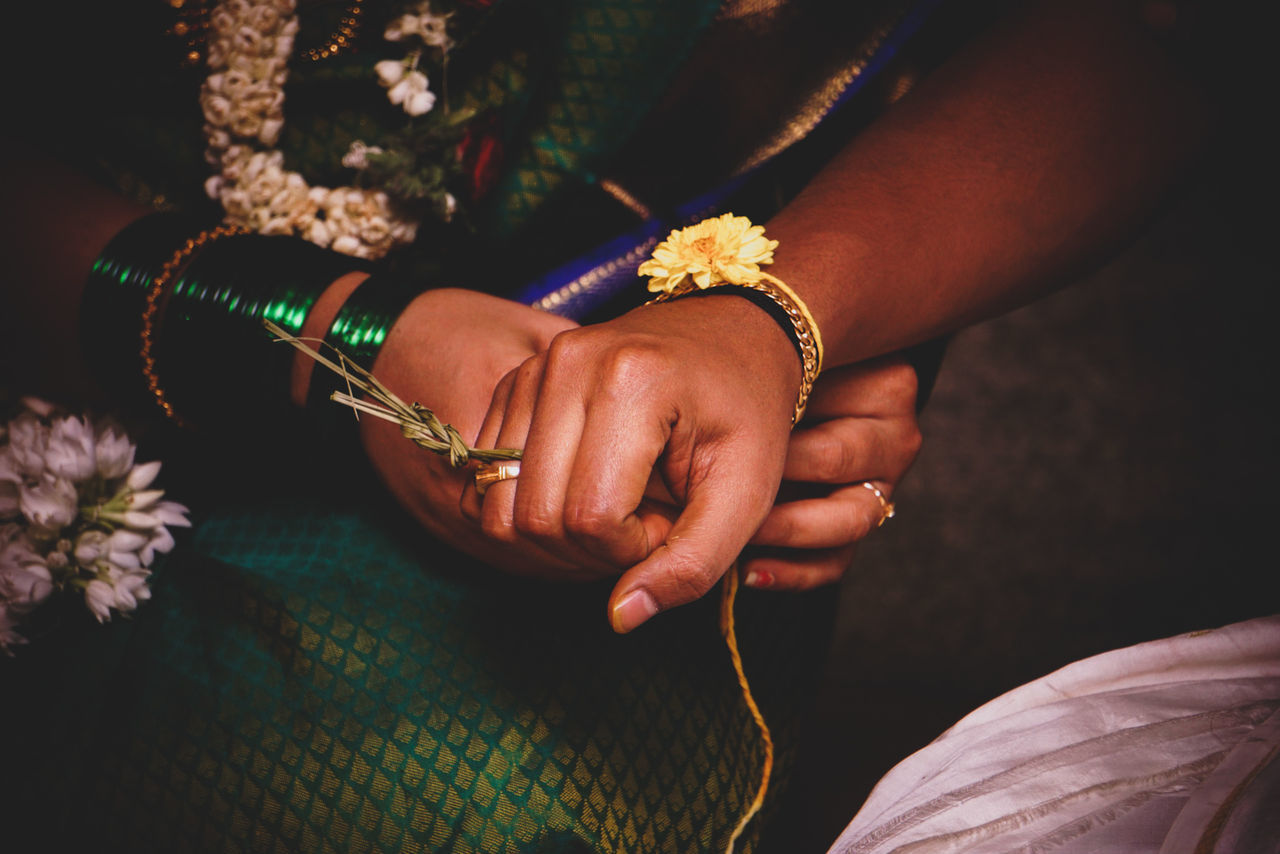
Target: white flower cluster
[76, 514]
[243, 104]
[421, 24]
[406, 85]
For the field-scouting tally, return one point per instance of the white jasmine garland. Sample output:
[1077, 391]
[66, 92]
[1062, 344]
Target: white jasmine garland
[78, 516]
[242, 100]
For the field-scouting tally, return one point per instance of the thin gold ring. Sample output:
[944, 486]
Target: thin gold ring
[490, 473]
[887, 508]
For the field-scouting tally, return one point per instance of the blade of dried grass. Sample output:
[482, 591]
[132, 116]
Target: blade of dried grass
[416, 422]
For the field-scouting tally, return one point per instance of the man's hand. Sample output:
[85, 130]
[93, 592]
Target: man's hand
[699, 391]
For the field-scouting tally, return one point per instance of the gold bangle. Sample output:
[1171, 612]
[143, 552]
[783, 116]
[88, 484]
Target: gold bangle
[727, 251]
[151, 307]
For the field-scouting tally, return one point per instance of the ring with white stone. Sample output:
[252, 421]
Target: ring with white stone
[490, 473]
[887, 508]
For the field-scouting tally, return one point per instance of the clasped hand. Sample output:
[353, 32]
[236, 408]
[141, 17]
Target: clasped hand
[655, 446]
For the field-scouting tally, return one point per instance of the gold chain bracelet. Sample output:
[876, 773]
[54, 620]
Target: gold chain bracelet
[802, 330]
[727, 251]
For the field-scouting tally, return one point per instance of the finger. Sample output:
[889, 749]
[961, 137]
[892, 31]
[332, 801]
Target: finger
[527, 561]
[845, 516]
[542, 495]
[658, 517]
[803, 569]
[544, 415]
[509, 429]
[884, 385]
[622, 439]
[706, 538]
[518, 557]
[487, 437]
[851, 449]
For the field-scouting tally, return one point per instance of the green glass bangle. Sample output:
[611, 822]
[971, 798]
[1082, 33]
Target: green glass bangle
[116, 287]
[358, 331]
[216, 356]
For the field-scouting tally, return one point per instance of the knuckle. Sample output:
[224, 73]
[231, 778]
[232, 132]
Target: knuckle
[899, 449]
[601, 532]
[589, 520]
[567, 350]
[902, 385]
[783, 529]
[496, 522]
[635, 355]
[842, 456]
[618, 361]
[536, 521]
[832, 454]
[914, 441]
[631, 367]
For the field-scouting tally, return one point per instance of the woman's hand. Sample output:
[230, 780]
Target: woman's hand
[699, 391]
[448, 350]
[860, 427]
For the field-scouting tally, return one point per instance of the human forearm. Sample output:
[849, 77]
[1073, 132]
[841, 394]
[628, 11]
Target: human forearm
[1016, 164]
[56, 222]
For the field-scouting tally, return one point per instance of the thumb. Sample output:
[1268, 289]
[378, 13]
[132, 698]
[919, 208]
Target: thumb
[712, 529]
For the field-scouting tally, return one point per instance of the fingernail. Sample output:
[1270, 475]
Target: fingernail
[632, 610]
[758, 578]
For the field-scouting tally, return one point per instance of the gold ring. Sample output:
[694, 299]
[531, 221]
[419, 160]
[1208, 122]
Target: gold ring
[887, 508]
[490, 473]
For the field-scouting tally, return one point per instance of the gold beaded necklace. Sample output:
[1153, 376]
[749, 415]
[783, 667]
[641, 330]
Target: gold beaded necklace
[192, 29]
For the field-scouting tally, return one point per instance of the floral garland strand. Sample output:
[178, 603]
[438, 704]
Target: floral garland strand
[243, 104]
[77, 515]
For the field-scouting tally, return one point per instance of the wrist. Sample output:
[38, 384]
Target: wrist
[726, 253]
[367, 308]
[315, 326]
[747, 332]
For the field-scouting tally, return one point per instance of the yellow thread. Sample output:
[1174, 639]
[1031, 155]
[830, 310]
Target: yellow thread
[728, 592]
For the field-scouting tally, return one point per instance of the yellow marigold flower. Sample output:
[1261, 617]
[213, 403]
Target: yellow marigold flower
[722, 249]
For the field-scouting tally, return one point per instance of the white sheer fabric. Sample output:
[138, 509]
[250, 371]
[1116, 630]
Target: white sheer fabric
[1167, 747]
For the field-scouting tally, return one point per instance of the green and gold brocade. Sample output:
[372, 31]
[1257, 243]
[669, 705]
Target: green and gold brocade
[313, 674]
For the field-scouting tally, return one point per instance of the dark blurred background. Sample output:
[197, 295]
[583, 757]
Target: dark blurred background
[1099, 469]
